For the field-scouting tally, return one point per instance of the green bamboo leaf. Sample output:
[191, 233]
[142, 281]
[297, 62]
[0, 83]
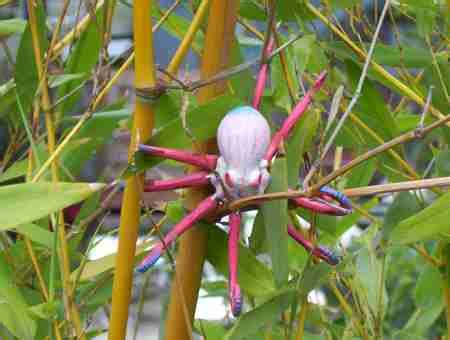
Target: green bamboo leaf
[13, 308]
[251, 10]
[299, 143]
[361, 175]
[95, 133]
[314, 276]
[258, 239]
[61, 79]
[249, 323]
[335, 4]
[303, 50]
[404, 204]
[427, 224]
[390, 55]
[254, 277]
[105, 263]
[429, 300]
[46, 310]
[210, 329]
[275, 221]
[36, 234]
[24, 203]
[369, 271]
[18, 169]
[11, 26]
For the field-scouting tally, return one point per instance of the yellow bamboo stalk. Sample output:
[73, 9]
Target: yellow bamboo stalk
[130, 212]
[185, 44]
[107, 24]
[192, 248]
[301, 321]
[71, 308]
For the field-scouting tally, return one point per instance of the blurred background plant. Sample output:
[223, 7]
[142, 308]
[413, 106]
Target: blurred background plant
[67, 85]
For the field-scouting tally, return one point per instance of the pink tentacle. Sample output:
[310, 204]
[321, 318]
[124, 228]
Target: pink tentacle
[293, 118]
[262, 76]
[320, 206]
[320, 252]
[192, 180]
[203, 209]
[204, 161]
[233, 253]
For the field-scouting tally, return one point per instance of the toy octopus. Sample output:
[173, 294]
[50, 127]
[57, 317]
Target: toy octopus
[242, 169]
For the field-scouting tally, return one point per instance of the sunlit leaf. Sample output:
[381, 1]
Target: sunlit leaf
[424, 225]
[254, 277]
[11, 26]
[13, 308]
[261, 316]
[275, 221]
[24, 203]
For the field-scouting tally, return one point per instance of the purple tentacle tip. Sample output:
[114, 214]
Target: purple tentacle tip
[328, 256]
[339, 196]
[149, 261]
[236, 301]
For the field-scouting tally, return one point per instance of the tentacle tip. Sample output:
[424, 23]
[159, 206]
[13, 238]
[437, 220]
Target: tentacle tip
[334, 259]
[328, 256]
[148, 262]
[142, 147]
[236, 301]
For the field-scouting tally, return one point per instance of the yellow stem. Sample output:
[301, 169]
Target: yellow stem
[192, 247]
[70, 306]
[130, 211]
[301, 321]
[375, 66]
[251, 28]
[107, 24]
[185, 44]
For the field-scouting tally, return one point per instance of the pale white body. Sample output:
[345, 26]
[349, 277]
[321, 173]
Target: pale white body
[243, 138]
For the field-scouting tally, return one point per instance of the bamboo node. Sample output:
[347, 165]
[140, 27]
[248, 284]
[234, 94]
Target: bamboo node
[151, 94]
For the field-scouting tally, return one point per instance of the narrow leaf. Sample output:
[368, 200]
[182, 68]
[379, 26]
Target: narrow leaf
[427, 224]
[275, 221]
[24, 203]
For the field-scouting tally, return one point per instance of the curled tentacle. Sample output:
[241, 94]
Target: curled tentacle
[323, 204]
[319, 251]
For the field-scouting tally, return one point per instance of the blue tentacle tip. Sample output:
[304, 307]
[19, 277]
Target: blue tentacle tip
[148, 262]
[339, 196]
